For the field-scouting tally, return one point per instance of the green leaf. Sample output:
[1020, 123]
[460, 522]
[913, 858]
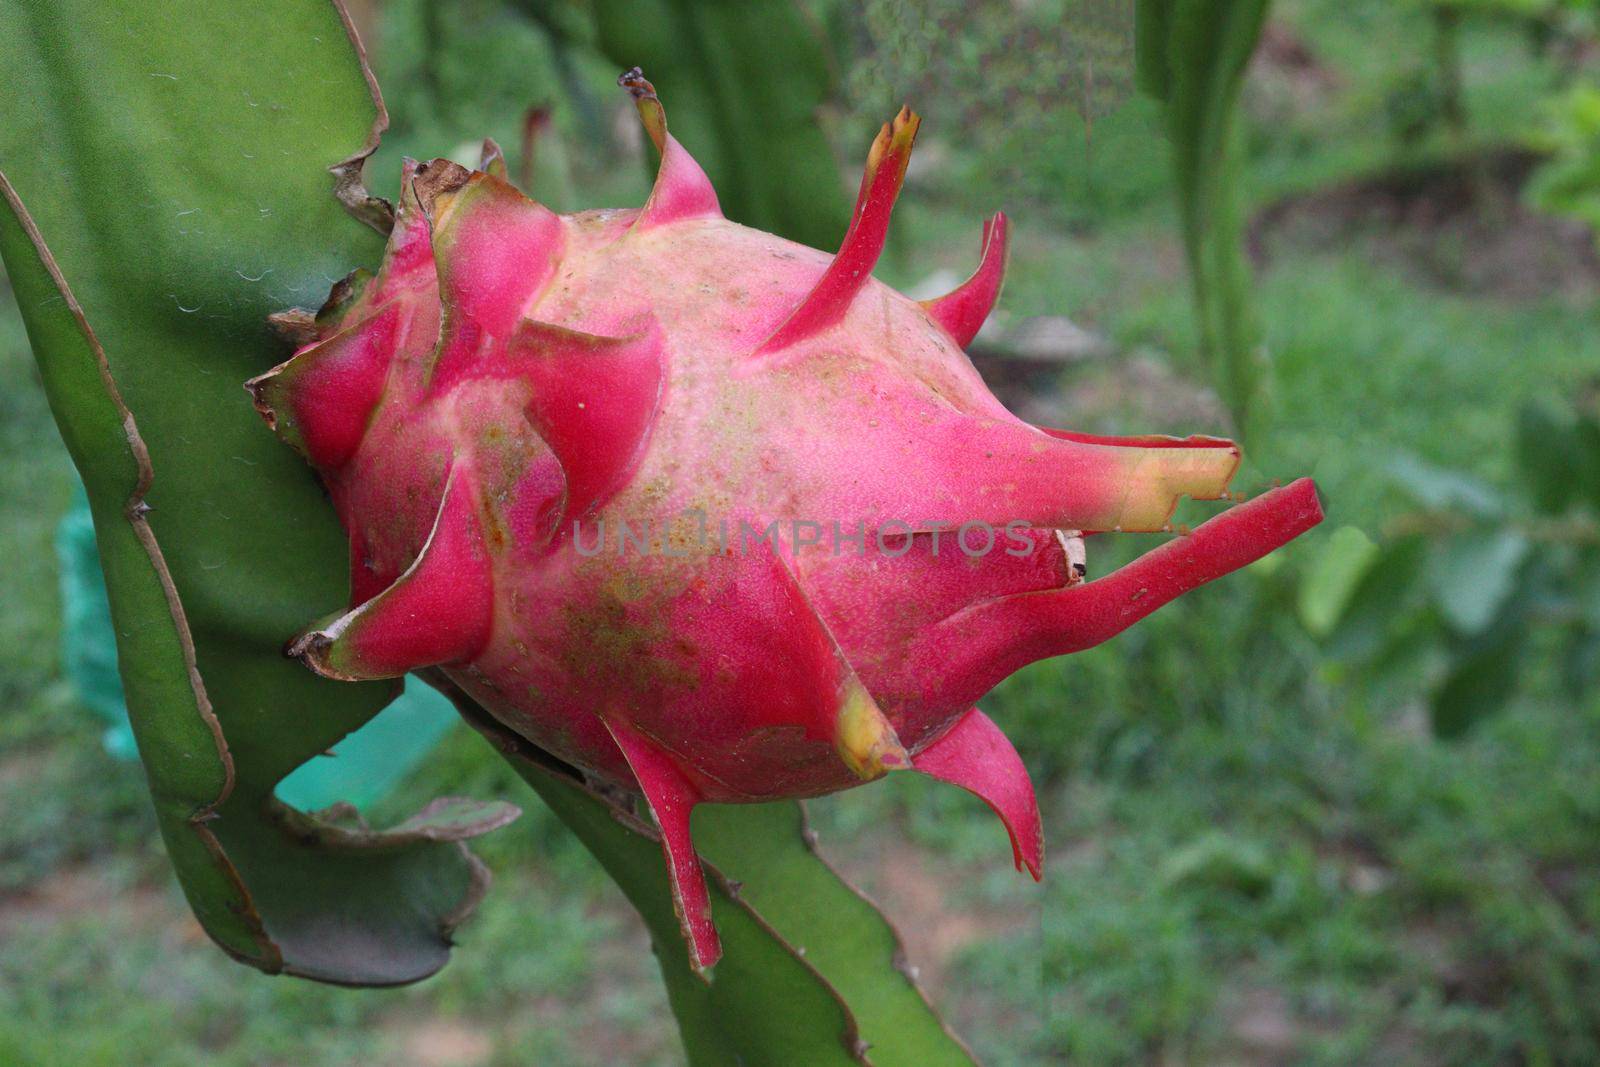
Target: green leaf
[1580, 663]
[811, 971]
[1191, 55]
[1484, 669]
[1586, 469]
[1332, 579]
[1473, 575]
[1546, 445]
[743, 83]
[1478, 685]
[168, 188]
[1387, 592]
[1585, 586]
[1218, 862]
[1440, 489]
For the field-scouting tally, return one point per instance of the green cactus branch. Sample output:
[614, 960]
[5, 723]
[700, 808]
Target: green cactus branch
[224, 230]
[1191, 56]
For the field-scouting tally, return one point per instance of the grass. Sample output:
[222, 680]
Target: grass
[1253, 859]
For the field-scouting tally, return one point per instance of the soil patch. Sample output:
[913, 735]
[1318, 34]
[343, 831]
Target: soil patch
[1460, 226]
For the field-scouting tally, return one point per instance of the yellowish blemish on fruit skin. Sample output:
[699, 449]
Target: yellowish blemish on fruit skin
[865, 739]
[651, 495]
[639, 656]
[626, 587]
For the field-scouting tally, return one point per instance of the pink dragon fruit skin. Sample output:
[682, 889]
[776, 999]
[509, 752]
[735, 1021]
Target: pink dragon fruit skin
[514, 389]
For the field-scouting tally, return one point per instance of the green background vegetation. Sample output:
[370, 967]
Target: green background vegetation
[1260, 852]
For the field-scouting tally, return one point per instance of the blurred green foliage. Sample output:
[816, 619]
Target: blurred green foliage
[1039, 94]
[1569, 181]
[750, 112]
[1464, 584]
[982, 66]
[745, 81]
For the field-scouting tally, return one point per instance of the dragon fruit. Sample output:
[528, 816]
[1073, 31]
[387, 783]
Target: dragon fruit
[709, 515]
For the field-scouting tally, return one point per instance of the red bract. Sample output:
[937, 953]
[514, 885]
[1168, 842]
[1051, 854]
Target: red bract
[701, 511]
